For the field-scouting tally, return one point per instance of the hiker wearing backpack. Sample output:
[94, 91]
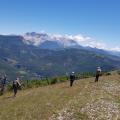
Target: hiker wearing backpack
[98, 73]
[72, 78]
[0, 84]
[16, 84]
[3, 84]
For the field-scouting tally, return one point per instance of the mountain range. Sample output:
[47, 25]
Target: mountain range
[34, 55]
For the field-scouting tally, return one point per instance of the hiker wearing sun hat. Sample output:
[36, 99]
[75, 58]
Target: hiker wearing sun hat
[98, 73]
[72, 78]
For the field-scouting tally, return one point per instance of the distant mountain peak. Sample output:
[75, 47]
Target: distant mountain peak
[65, 40]
[38, 39]
[45, 40]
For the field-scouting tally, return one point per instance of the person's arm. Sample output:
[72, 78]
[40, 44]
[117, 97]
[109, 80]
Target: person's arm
[18, 83]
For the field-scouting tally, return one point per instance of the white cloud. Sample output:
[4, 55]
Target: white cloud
[87, 41]
[66, 40]
[115, 49]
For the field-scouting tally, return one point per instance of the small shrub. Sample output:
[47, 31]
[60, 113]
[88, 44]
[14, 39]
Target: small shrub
[54, 80]
[63, 79]
[36, 83]
[85, 75]
[108, 73]
[9, 87]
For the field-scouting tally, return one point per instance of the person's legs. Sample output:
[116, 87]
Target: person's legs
[15, 90]
[71, 83]
[2, 89]
[97, 78]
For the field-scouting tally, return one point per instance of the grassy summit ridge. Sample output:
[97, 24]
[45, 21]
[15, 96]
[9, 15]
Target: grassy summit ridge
[86, 100]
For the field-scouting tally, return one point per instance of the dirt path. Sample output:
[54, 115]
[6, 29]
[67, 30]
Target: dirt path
[96, 101]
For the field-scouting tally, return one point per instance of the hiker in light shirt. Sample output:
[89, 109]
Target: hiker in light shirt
[16, 84]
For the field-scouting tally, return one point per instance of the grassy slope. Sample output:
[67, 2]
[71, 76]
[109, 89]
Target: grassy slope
[86, 100]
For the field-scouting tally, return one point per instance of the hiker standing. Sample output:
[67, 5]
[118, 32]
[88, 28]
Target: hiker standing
[72, 78]
[98, 73]
[0, 84]
[16, 84]
[3, 84]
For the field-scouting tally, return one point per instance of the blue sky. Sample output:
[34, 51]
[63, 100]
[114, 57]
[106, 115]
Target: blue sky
[98, 19]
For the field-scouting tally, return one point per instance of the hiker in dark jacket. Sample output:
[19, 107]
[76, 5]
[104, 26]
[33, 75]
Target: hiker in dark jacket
[98, 73]
[3, 84]
[16, 84]
[72, 78]
[0, 84]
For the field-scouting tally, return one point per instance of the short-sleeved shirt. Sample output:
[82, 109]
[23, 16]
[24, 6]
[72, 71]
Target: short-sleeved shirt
[98, 72]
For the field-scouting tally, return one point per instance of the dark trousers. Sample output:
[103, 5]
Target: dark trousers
[71, 83]
[97, 78]
[15, 88]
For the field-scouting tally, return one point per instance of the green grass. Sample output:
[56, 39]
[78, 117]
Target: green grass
[86, 100]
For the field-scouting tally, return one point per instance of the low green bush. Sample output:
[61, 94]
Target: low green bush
[47, 81]
[54, 80]
[108, 73]
[10, 87]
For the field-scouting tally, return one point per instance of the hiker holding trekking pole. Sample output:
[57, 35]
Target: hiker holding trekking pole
[16, 85]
